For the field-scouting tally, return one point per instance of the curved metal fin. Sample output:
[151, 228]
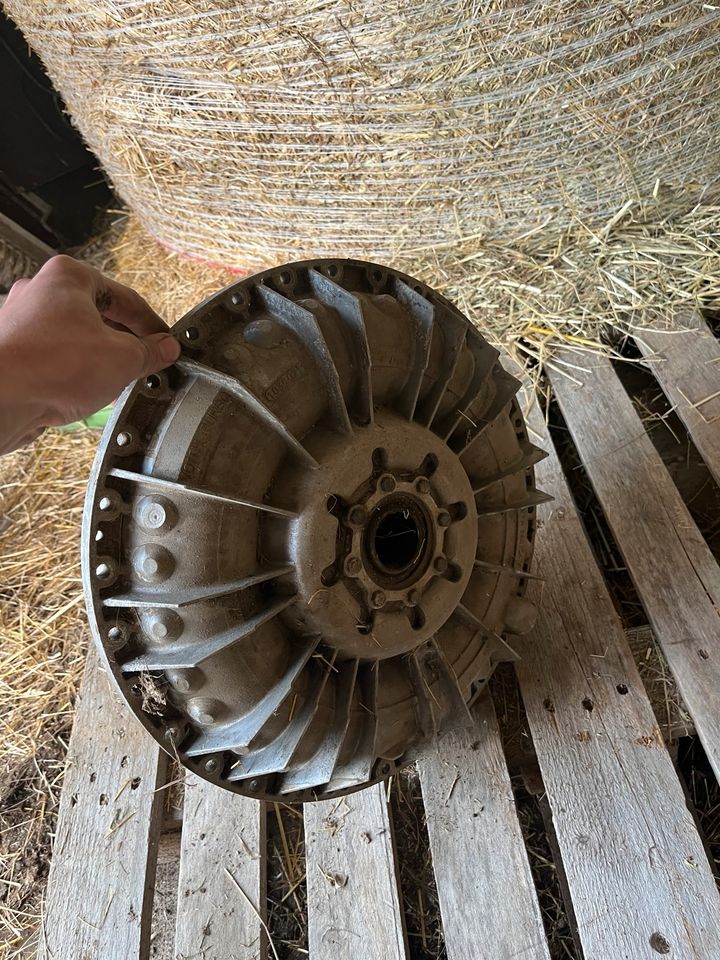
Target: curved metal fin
[453, 329]
[238, 734]
[451, 683]
[466, 435]
[318, 770]
[530, 456]
[424, 698]
[231, 385]
[503, 651]
[184, 596]
[422, 313]
[359, 767]
[303, 322]
[485, 358]
[508, 570]
[349, 308]
[501, 645]
[532, 498]
[189, 655]
[276, 755]
[172, 487]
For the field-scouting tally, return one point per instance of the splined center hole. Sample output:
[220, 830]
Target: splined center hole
[397, 540]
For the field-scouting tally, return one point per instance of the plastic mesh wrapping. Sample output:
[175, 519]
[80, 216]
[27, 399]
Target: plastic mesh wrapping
[256, 132]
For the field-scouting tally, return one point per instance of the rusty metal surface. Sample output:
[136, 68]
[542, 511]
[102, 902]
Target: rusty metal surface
[304, 542]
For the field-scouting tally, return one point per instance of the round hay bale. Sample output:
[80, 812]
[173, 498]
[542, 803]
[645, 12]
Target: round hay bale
[255, 132]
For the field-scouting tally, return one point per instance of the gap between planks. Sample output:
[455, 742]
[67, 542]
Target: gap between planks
[686, 363]
[674, 572]
[634, 863]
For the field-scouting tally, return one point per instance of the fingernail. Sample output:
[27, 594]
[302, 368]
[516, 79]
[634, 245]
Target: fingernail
[169, 349]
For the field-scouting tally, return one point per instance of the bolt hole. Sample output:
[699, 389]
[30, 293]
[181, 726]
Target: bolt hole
[622, 688]
[192, 333]
[549, 705]
[364, 628]
[379, 458]
[377, 275]
[329, 576]
[429, 465]
[135, 783]
[385, 769]
[123, 438]
[332, 270]
[588, 705]
[285, 277]
[102, 571]
[152, 382]
[703, 654]
[99, 535]
[416, 618]
[105, 503]
[453, 573]
[458, 511]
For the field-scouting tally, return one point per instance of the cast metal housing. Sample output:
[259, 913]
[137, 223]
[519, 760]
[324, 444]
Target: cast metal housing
[304, 542]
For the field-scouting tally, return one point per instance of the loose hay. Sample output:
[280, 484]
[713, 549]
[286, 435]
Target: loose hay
[254, 133]
[573, 291]
[42, 626]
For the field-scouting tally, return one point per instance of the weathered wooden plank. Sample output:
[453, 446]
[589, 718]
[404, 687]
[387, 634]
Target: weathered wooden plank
[674, 572]
[686, 363]
[487, 896]
[99, 894]
[636, 869]
[223, 853]
[354, 905]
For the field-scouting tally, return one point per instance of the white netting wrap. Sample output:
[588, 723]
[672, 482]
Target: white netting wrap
[257, 132]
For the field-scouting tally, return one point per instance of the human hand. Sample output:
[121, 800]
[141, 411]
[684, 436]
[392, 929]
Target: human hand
[70, 341]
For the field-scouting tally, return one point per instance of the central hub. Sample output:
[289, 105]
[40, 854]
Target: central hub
[397, 543]
[385, 547]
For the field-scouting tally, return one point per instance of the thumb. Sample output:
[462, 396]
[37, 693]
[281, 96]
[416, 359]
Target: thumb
[160, 350]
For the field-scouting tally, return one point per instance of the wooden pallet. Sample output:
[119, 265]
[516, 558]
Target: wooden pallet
[633, 865]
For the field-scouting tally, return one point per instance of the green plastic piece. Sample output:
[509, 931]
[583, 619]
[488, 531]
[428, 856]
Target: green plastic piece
[96, 421]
